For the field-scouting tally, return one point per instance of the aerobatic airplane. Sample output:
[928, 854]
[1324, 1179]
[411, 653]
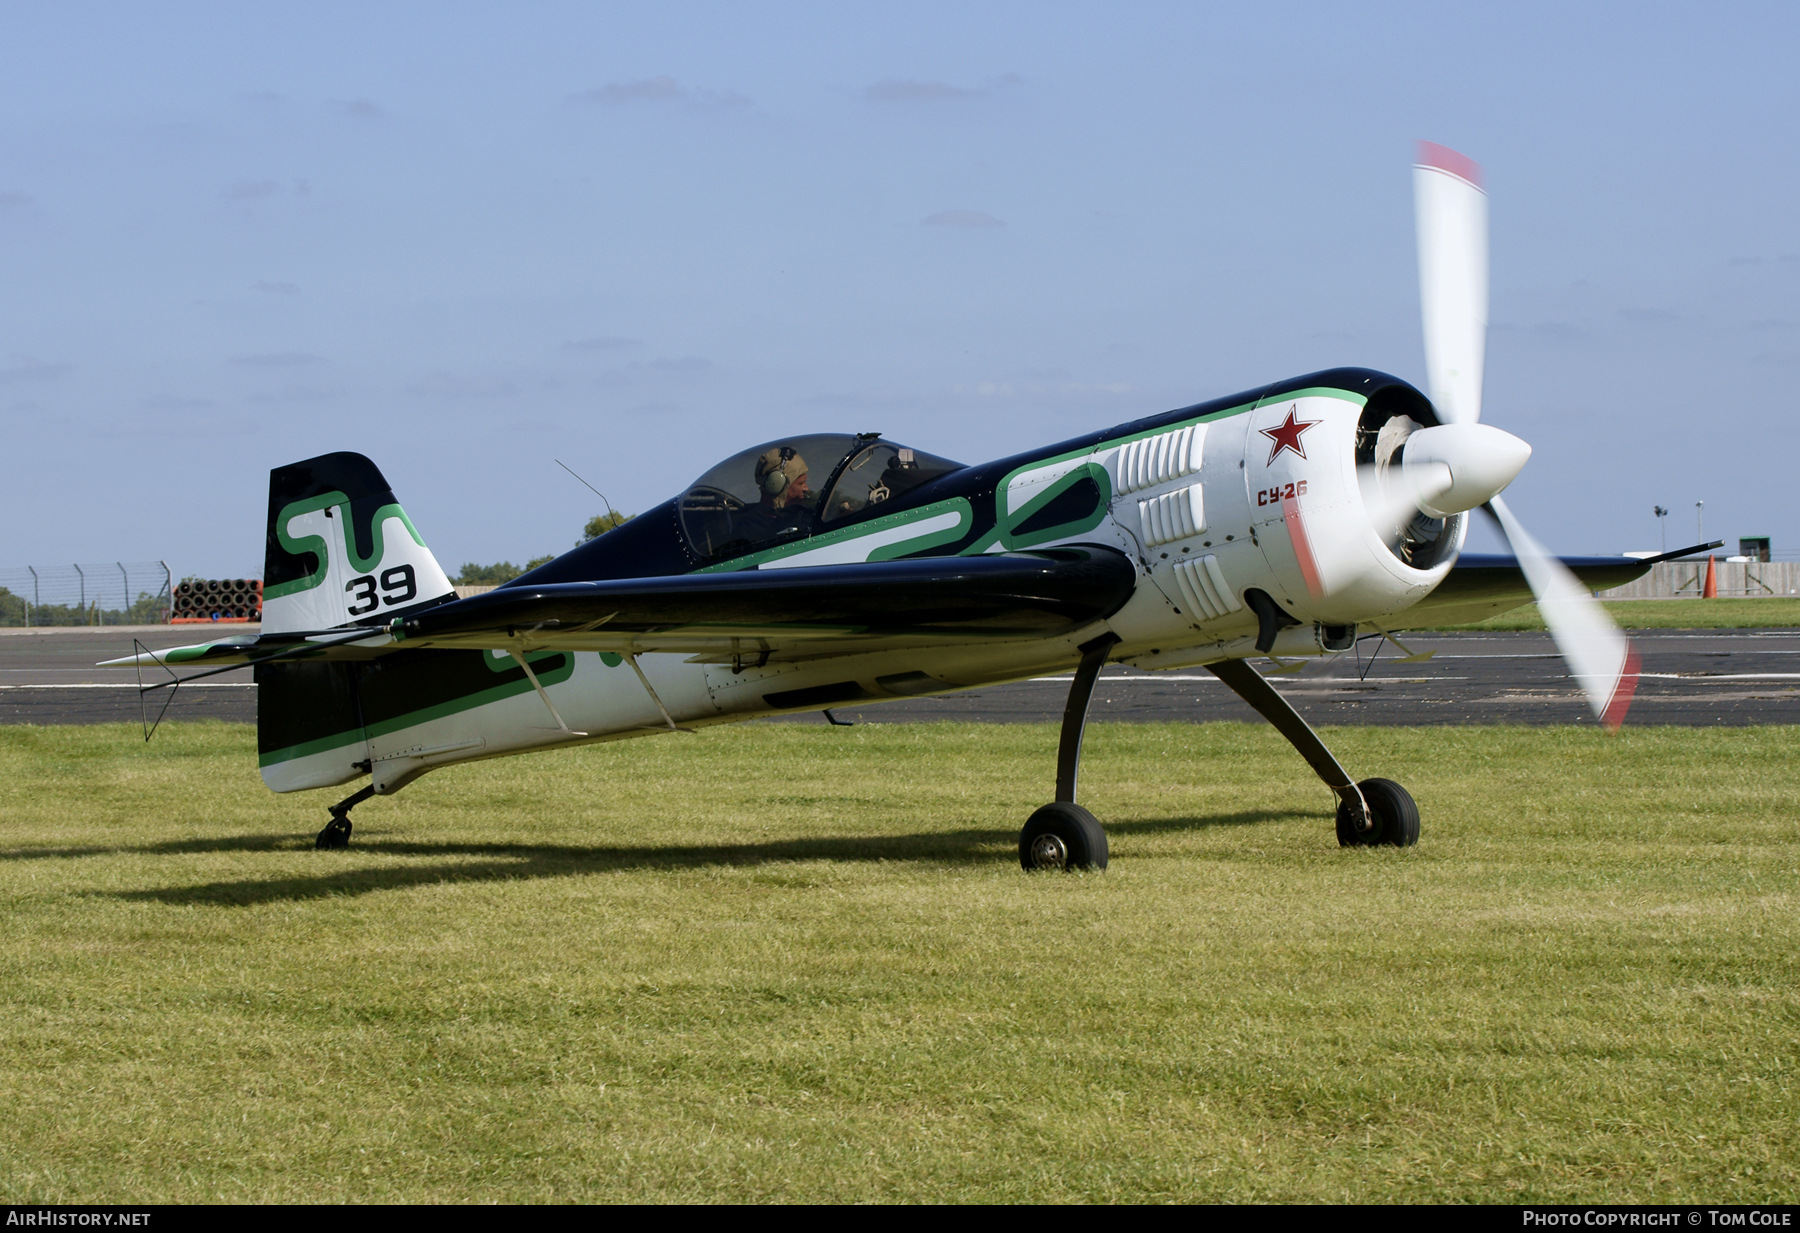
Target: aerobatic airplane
[821, 569]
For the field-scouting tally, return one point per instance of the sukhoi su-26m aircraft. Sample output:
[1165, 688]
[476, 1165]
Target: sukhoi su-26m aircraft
[822, 569]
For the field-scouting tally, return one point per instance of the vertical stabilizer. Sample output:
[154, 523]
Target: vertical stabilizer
[341, 551]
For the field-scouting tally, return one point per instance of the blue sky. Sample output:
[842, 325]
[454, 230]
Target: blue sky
[470, 240]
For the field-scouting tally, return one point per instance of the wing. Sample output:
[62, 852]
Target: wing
[789, 613]
[1483, 585]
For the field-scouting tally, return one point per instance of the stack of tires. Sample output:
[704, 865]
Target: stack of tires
[212, 600]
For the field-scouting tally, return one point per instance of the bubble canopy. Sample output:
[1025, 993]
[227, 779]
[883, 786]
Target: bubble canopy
[794, 487]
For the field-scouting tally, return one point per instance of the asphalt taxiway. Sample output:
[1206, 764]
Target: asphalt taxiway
[1695, 678]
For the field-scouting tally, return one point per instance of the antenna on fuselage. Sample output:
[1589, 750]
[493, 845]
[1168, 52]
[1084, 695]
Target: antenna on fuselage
[565, 466]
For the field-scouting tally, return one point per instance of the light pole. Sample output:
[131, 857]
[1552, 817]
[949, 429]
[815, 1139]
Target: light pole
[1700, 519]
[1661, 514]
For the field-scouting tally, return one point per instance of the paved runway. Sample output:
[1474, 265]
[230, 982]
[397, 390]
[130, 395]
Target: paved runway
[47, 676]
[1692, 678]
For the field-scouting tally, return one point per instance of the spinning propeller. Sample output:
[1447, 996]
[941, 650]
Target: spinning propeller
[1462, 463]
[1453, 291]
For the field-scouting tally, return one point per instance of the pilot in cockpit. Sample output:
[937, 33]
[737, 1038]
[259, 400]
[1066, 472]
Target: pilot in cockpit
[784, 508]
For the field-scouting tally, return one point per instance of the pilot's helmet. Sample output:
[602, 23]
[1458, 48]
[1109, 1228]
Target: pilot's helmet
[777, 470]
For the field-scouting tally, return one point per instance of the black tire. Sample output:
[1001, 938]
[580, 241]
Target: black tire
[1396, 817]
[1062, 836]
[335, 835]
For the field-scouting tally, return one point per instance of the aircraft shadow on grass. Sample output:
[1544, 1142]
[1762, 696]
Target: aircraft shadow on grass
[173, 847]
[509, 862]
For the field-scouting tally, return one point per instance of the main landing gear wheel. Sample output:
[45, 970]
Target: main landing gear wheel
[1396, 817]
[1062, 836]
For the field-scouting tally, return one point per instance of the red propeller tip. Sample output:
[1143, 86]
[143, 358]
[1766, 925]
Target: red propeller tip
[1614, 715]
[1443, 158]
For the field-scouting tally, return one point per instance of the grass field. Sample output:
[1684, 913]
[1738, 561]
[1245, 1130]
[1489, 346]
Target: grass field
[1777, 612]
[785, 962]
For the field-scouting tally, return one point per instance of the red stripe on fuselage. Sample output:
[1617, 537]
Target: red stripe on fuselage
[1303, 553]
[1614, 715]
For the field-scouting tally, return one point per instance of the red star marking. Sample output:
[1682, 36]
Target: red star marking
[1286, 435]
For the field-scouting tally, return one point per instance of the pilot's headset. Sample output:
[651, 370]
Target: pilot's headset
[777, 470]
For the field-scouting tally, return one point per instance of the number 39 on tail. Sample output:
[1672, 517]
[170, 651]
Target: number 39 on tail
[822, 569]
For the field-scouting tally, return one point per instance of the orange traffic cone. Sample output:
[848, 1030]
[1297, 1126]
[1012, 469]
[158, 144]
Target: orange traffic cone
[1711, 590]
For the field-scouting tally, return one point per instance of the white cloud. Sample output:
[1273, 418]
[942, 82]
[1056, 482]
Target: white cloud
[191, 425]
[262, 190]
[1559, 331]
[278, 359]
[449, 385]
[962, 218]
[658, 90]
[599, 344]
[19, 368]
[907, 90]
[896, 91]
[1041, 388]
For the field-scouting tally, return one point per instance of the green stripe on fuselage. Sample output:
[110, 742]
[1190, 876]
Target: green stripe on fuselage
[425, 714]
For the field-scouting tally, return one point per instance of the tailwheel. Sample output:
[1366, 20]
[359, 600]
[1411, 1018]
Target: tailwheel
[337, 831]
[1396, 817]
[1062, 835]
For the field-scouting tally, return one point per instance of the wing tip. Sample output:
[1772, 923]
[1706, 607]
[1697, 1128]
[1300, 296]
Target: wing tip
[1443, 158]
[1620, 702]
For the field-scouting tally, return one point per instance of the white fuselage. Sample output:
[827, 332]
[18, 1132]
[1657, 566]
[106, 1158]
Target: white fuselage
[1208, 509]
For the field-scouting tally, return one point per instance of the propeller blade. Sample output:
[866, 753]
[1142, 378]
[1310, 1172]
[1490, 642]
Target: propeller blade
[1451, 208]
[1601, 658]
[1388, 499]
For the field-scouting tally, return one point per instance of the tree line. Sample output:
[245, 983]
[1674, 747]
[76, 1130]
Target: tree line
[148, 609]
[473, 575]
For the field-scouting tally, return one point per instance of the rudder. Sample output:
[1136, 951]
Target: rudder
[341, 551]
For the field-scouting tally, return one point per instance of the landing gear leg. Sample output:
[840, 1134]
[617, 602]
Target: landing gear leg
[1375, 811]
[337, 831]
[1063, 835]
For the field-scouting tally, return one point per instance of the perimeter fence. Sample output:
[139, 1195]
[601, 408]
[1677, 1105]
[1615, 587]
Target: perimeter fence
[1686, 578]
[111, 593]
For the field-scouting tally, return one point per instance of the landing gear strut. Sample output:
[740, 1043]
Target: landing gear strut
[1375, 811]
[337, 831]
[1063, 835]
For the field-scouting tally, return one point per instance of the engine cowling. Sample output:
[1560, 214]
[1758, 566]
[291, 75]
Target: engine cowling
[1290, 497]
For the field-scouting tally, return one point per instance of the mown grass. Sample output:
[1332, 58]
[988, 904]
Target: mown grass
[1778, 612]
[785, 962]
